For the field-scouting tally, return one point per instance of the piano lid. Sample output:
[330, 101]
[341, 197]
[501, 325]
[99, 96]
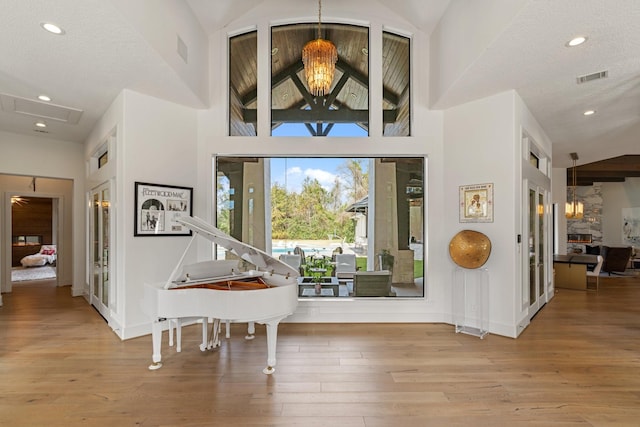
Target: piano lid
[262, 260]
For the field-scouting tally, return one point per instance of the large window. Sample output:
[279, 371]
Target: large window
[370, 208]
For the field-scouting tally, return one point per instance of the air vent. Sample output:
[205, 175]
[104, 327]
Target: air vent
[42, 110]
[183, 51]
[592, 77]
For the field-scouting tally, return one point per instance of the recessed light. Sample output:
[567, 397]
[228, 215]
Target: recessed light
[41, 124]
[589, 112]
[576, 41]
[52, 28]
[44, 98]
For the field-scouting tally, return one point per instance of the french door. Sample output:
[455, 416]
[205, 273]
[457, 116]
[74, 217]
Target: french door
[100, 248]
[537, 249]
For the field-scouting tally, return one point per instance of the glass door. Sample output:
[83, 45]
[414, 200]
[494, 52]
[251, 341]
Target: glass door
[100, 249]
[537, 260]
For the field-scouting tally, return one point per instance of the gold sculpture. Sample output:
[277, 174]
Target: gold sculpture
[470, 249]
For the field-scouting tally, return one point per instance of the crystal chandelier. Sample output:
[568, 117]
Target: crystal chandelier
[319, 57]
[574, 209]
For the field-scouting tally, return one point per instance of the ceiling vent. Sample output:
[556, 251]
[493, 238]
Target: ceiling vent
[183, 50]
[41, 110]
[592, 77]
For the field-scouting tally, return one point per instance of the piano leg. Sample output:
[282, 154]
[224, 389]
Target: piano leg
[178, 333]
[214, 340]
[156, 336]
[272, 337]
[227, 329]
[251, 331]
[170, 323]
[205, 324]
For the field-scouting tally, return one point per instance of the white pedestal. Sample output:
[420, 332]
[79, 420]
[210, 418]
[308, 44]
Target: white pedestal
[471, 301]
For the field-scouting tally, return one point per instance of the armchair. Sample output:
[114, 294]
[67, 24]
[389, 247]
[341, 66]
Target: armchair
[372, 284]
[616, 259]
[345, 266]
[292, 260]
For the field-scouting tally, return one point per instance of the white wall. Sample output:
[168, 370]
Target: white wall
[154, 141]
[559, 190]
[426, 141]
[480, 148]
[616, 196]
[173, 19]
[47, 157]
[461, 37]
[158, 145]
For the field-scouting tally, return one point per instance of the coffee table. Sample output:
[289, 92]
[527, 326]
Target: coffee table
[329, 287]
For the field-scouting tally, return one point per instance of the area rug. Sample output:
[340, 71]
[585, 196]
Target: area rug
[21, 274]
[626, 273]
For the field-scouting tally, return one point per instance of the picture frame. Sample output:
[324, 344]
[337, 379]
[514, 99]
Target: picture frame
[157, 206]
[476, 203]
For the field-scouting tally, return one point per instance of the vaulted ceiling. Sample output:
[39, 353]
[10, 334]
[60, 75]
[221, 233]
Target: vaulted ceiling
[111, 45]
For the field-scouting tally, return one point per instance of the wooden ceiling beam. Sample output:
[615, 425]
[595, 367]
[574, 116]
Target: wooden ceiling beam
[605, 174]
[324, 116]
[610, 170]
[342, 65]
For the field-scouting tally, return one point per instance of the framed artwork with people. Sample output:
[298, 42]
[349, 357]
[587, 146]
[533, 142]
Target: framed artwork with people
[158, 206]
[476, 203]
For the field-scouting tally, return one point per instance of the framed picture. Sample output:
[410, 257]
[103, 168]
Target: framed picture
[476, 203]
[157, 207]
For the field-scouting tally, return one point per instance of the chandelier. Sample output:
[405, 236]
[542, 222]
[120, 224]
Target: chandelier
[319, 57]
[574, 209]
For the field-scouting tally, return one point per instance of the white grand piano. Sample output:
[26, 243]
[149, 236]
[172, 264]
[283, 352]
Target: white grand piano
[221, 290]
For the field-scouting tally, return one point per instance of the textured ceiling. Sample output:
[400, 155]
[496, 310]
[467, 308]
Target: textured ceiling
[530, 56]
[106, 51]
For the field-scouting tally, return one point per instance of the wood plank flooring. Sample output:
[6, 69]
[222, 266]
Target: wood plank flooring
[577, 364]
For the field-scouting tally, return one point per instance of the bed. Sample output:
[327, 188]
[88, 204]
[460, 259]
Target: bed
[47, 255]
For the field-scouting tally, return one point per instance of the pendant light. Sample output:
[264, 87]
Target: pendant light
[319, 57]
[574, 209]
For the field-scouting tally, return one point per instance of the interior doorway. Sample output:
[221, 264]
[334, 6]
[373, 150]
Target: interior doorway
[33, 238]
[60, 193]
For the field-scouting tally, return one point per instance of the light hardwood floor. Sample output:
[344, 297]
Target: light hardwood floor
[577, 364]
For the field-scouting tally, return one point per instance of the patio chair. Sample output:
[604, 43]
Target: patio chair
[345, 266]
[372, 283]
[292, 260]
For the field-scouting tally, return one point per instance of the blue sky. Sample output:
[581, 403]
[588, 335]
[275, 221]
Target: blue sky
[299, 129]
[298, 168]
[322, 169]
